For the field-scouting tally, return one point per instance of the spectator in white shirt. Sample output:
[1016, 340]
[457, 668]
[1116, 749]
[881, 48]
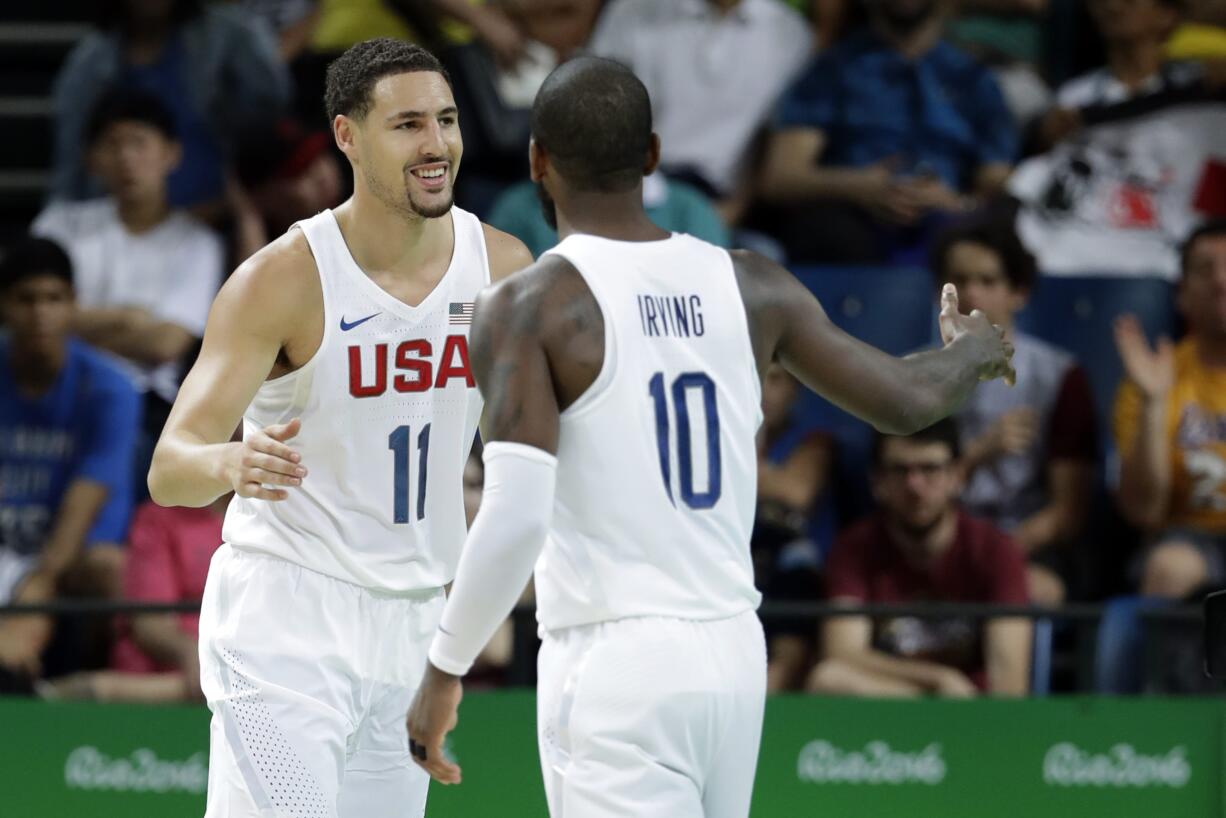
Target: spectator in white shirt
[1134, 32]
[146, 273]
[714, 69]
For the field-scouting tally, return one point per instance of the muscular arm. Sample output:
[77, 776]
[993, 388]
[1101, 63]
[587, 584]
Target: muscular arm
[507, 254]
[895, 395]
[133, 333]
[256, 313]
[521, 436]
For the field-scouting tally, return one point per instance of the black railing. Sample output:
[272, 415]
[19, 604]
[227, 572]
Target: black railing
[1082, 618]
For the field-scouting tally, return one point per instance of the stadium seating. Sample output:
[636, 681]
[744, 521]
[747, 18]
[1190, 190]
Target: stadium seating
[890, 308]
[1076, 314]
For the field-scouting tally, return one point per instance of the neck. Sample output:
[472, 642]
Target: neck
[367, 225]
[142, 215]
[618, 216]
[724, 6]
[35, 368]
[1133, 63]
[931, 543]
[913, 44]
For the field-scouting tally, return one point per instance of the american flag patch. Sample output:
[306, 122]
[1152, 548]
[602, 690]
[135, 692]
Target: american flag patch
[460, 312]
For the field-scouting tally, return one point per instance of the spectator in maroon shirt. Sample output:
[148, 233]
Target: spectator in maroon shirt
[921, 548]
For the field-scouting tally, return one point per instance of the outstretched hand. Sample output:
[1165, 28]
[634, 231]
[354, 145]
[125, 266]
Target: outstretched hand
[1152, 369]
[263, 459]
[998, 352]
[434, 714]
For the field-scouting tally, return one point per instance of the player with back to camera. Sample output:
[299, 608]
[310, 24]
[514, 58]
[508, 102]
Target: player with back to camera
[622, 375]
[342, 346]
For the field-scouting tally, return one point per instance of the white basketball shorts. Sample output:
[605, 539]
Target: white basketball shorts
[652, 717]
[309, 679]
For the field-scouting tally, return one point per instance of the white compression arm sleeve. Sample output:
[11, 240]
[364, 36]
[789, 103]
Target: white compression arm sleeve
[501, 550]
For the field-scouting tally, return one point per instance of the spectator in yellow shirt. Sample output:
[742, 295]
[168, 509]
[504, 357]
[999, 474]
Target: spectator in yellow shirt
[1170, 428]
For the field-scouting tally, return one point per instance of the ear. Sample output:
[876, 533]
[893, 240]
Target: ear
[344, 131]
[538, 161]
[653, 155]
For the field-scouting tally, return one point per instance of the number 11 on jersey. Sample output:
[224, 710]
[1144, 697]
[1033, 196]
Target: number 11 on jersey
[398, 442]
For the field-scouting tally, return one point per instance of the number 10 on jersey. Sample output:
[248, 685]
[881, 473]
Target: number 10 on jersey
[681, 387]
[398, 442]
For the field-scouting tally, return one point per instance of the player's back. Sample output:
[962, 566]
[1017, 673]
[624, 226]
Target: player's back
[657, 466]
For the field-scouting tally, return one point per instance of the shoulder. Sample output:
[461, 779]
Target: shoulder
[278, 284]
[1187, 362]
[104, 372]
[861, 537]
[961, 68]
[1048, 356]
[983, 538]
[195, 234]
[75, 217]
[522, 299]
[506, 253]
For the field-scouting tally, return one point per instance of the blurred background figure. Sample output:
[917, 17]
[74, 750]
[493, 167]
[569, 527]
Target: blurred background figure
[881, 138]
[1170, 430]
[146, 271]
[155, 659]
[285, 173]
[1029, 452]
[209, 65]
[672, 205]
[794, 468]
[68, 425]
[714, 69]
[919, 547]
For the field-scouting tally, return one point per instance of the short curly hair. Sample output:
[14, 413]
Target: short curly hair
[997, 235]
[353, 75]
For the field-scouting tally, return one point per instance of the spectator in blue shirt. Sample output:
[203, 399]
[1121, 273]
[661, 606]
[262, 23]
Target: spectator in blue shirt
[883, 135]
[68, 422]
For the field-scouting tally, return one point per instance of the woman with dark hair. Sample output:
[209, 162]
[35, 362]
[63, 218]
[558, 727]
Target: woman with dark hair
[212, 68]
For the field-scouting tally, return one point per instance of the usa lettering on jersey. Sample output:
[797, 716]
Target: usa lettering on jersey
[414, 361]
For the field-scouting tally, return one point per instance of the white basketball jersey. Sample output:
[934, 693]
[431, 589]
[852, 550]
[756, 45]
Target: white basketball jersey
[657, 464]
[389, 410]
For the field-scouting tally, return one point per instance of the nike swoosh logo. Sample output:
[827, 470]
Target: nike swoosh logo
[348, 325]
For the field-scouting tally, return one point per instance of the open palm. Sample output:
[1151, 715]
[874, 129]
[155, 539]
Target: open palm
[1152, 369]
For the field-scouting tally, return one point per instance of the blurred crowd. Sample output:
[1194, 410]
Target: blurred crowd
[1001, 145]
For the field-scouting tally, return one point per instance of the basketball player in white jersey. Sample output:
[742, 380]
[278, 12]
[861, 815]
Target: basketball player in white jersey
[621, 375]
[343, 347]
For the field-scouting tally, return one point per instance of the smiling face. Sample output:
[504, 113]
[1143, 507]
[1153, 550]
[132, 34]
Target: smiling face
[407, 147]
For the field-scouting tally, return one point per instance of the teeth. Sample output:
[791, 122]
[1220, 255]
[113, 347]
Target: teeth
[431, 174]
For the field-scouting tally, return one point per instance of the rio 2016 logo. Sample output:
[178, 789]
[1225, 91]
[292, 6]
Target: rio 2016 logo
[821, 762]
[88, 768]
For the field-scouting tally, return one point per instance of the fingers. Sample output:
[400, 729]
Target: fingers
[949, 299]
[432, 759]
[281, 471]
[257, 491]
[262, 442]
[284, 431]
